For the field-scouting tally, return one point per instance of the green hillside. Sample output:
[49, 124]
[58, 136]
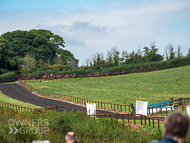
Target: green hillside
[153, 87]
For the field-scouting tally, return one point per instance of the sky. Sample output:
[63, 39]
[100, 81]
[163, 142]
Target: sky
[95, 26]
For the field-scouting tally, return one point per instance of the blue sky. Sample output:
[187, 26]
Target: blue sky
[95, 26]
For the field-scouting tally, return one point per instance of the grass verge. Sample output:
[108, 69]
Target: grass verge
[7, 99]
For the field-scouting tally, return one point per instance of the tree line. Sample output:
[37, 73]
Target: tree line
[149, 54]
[40, 50]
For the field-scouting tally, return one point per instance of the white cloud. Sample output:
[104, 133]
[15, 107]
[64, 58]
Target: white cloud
[90, 30]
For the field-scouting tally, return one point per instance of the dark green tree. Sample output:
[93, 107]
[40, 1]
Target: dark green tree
[151, 55]
[132, 57]
[22, 42]
[171, 51]
[57, 41]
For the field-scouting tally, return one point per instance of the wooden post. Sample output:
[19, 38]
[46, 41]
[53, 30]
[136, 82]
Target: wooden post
[134, 119]
[158, 125]
[152, 110]
[145, 120]
[149, 121]
[141, 119]
[161, 111]
[149, 109]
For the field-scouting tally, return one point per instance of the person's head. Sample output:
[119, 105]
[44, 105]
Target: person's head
[176, 125]
[70, 137]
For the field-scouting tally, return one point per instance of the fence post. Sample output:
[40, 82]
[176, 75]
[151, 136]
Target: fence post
[145, 120]
[152, 110]
[161, 110]
[149, 121]
[158, 125]
[134, 119]
[141, 119]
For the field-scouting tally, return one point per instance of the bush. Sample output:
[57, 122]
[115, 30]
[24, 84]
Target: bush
[7, 77]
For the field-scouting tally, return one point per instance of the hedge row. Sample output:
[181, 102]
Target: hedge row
[178, 62]
[7, 77]
[86, 128]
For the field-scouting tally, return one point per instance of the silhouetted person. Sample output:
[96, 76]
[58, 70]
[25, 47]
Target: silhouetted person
[171, 101]
[37, 76]
[29, 76]
[150, 68]
[123, 71]
[175, 128]
[46, 75]
[51, 76]
[132, 107]
[142, 69]
[71, 137]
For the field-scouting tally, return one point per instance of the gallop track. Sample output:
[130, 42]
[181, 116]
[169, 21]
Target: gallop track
[18, 92]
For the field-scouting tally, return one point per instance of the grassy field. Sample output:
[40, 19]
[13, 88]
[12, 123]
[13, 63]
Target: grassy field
[153, 87]
[7, 99]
